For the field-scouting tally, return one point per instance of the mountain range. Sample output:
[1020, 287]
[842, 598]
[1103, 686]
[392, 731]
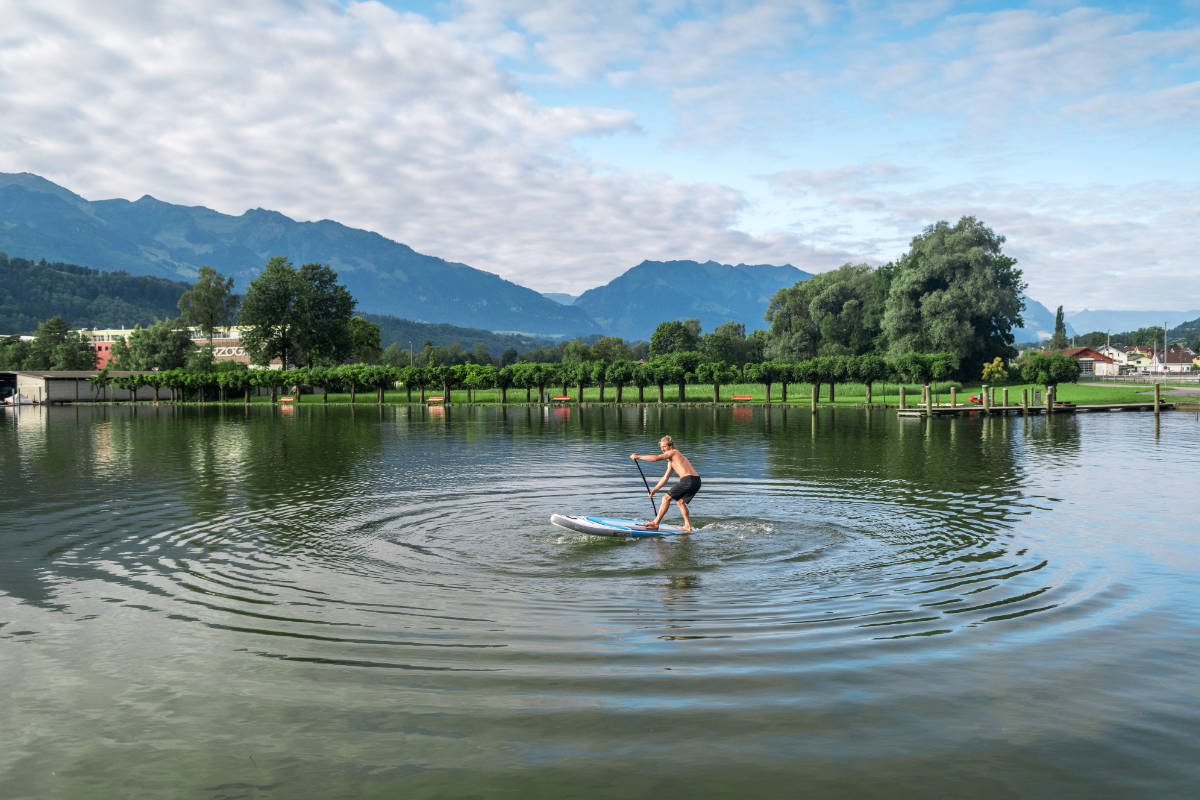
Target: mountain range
[42, 220]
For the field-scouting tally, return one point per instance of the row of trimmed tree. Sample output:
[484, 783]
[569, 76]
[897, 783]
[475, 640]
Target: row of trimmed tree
[676, 370]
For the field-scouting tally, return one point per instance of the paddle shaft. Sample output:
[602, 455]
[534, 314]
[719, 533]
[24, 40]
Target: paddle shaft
[651, 499]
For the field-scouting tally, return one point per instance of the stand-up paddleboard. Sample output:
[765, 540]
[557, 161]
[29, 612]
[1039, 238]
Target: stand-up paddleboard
[611, 526]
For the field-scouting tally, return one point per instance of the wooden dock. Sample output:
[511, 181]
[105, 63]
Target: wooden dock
[1059, 408]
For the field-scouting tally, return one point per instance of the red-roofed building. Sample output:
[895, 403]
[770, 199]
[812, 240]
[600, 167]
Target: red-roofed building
[1091, 362]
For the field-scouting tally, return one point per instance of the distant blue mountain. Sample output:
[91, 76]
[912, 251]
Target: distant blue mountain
[632, 304]
[1124, 321]
[1039, 323]
[41, 220]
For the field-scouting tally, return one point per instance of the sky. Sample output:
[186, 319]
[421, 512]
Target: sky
[558, 144]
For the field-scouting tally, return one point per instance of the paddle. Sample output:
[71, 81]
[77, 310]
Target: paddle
[653, 510]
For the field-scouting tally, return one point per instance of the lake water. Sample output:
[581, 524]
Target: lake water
[230, 602]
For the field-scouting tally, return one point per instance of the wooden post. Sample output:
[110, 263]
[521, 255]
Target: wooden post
[816, 388]
[1157, 397]
[928, 401]
[902, 405]
[953, 396]
[987, 399]
[1049, 401]
[1006, 397]
[1024, 402]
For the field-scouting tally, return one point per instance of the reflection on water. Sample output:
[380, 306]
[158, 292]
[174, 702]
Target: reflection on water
[367, 600]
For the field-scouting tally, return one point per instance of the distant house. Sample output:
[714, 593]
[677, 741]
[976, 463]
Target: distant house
[1091, 362]
[1180, 359]
[1117, 354]
[1142, 361]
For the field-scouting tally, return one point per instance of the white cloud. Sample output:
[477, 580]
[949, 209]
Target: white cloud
[460, 135]
[380, 120]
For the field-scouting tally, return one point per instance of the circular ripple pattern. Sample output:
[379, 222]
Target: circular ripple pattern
[372, 595]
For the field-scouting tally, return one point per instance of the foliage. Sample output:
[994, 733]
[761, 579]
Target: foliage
[1059, 340]
[956, 292]
[674, 337]
[296, 315]
[55, 346]
[832, 313]
[32, 291]
[166, 344]
[210, 303]
[995, 373]
[1151, 336]
[364, 340]
[1050, 369]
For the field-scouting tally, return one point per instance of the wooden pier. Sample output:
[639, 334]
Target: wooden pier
[929, 407]
[1059, 408]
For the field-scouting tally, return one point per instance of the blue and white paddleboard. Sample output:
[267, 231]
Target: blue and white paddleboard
[611, 526]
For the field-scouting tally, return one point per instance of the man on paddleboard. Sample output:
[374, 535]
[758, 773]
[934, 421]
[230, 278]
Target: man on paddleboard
[684, 489]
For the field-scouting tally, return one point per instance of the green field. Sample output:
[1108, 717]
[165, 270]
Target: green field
[849, 394]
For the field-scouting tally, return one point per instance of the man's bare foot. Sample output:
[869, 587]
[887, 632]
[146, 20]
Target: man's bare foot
[687, 530]
[650, 526]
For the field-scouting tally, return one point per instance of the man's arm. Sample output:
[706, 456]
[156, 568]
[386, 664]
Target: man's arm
[661, 481]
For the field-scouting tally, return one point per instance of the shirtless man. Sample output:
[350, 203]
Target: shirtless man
[683, 490]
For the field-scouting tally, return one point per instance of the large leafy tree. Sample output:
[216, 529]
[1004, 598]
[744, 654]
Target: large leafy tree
[297, 315]
[56, 346]
[833, 313]
[955, 291]
[166, 344]
[728, 343]
[364, 339]
[210, 303]
[675, 337]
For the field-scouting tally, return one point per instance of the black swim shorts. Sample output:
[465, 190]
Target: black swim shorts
[685, 488]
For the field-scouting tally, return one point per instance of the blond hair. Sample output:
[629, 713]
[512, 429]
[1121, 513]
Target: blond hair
[668, 440]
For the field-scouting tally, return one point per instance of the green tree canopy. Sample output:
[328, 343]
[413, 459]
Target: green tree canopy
[56, 346]
[1050, 369]
[210, 303]
[164, 345]
[955, 291]
[297, 315]
[674, 337]
[833, 313]
[364, 340]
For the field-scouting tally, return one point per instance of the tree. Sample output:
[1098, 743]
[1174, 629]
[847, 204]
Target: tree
[323, 313]
[1050, 369]
[296, 315]
[727, 343]
[833, 313]
[716, 373]
[576, 352]
[164, 345]
[56, 346]
[13, 352]
[673, 337]
[619, 373]
[210, 303]
[1059, 340]
[954, 291]
[364, 340]
[995, 373]
[867, 369]
[609, 349]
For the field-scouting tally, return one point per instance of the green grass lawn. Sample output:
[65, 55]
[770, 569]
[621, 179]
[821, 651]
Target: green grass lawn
[850, 394]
